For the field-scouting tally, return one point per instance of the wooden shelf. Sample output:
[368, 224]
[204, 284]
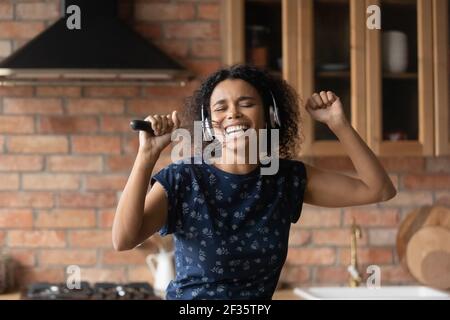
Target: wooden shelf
[265, 2]
[403, 75]
[333, 74]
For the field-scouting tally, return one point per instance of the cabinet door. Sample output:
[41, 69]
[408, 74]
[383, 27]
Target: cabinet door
[252, 33]
[400, 96]
[331, 57]
[441, 37]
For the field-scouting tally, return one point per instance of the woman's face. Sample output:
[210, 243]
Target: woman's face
[235, 107]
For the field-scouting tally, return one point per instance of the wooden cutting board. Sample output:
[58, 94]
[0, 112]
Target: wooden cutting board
[423, 245]
[428, 256]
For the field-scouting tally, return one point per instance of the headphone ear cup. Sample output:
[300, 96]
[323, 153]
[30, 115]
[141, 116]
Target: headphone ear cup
[208, 134]
[274, 117]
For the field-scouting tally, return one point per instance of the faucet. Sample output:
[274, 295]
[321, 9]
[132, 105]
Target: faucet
[355, 278]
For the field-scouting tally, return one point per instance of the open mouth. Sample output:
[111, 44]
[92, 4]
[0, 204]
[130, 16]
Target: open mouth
[236, 129]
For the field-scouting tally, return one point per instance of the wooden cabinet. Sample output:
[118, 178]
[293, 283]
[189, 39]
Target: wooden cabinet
[326, 45]
[441, 41]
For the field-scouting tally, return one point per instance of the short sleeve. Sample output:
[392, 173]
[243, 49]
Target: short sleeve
[171, 179]
[297, 186]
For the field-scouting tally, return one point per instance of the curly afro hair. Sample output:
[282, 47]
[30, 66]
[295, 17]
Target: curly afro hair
[286, 98]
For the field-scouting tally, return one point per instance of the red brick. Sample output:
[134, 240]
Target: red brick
[111, 257]
[69, 92]
[396, 275]
[6, 11]
[103, 275]
[32, 106]
[26, 199]
[368, 256]
[203, 67]
[192, 30]
[16, 218]
[172, 91]
[441, 164]
[2, 237]
[67, 124]
[383, 237]
[312, 217]
[332, 275]
[21, 163]
[95, 106]
[87, 199]
[164, 11]
[37, 181]
[105, 182]
[38, 144]
[23, 257]
[115, 124]
[66, 218]
[311, 256]
[9, 181]
[208, 11]
[107, 92]
[74, 163]
[5, 48]
[20, 30]
[68, 257]
[96, 144]
[148, 30]
[91, 239]
[118, 163]
[16, 124]
[175, 48]
[139, 274]
[107, 217]
[372, 217]
[28, 275]
[147, 107]
[410, 198]
[36, 239]
[206, 49]
[403, 164]
[298, 237]
[337, 237]
[131, 144]
[295, 275]
[426, 182]
[37, 11]
[13, 91]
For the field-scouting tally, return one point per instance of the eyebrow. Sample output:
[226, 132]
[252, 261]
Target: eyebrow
[221, 101]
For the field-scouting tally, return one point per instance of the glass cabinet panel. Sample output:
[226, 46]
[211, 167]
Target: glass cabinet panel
[263, 38]
[400, 70]
[332, 55]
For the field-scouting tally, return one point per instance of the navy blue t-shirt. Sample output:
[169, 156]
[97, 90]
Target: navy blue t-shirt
[230, 230]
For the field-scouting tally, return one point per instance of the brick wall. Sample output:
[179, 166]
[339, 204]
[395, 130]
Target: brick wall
[65, 154]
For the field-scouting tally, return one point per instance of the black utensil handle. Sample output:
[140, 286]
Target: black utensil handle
[141, 125]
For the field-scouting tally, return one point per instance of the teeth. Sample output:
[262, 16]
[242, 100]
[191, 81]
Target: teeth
[236, 128]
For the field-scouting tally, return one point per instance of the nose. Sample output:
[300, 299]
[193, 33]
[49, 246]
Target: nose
[234, 112]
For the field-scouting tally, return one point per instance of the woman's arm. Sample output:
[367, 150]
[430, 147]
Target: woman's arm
[138, 214]
[330, 189]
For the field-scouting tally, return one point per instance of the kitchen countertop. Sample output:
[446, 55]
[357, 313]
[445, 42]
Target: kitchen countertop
[278, 295]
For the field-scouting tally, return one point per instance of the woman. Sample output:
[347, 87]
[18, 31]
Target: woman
[230, 222]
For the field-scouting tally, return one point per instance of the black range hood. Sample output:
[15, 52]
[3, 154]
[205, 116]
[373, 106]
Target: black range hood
[105, 49]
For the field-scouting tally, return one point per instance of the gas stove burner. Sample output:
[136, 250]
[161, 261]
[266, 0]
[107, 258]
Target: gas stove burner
[100, 291]
[45, 290]
[135, 291]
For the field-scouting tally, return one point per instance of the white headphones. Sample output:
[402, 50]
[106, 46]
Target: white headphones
[208, 131]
